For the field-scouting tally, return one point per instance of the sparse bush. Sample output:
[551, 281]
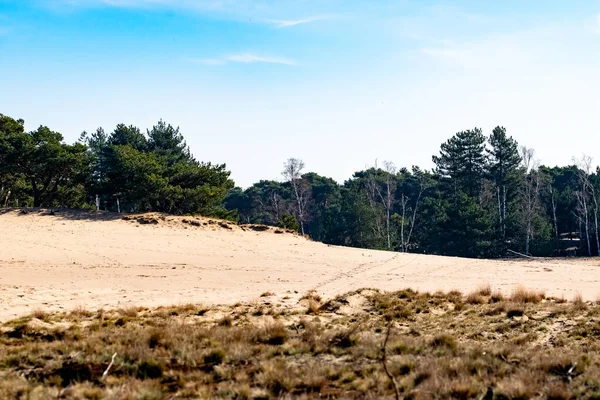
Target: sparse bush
[497, 297]
[475, 298]
[558, 391]
[273, 333]
[345, 338]
[312, 294]
[81, 312]
[313, 302]
[40, 314]
[156, 338]
[149, 370]
[514, 310]
[522, 295]
[214, 357]
[444, 340]
[276, 377]
[578, 303]
[485, 290]
[313, 307]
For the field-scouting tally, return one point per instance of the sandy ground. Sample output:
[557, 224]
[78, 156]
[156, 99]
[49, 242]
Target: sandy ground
[69, 260]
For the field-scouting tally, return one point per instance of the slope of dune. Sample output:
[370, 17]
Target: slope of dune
[68, 259]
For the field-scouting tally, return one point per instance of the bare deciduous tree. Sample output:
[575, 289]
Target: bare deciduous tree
[531, 191]
[292, 171]
[403, 202]
[584, 166]
[6, 198]
[424, 184]
[371, 185]
[553, 204]
[388, 196]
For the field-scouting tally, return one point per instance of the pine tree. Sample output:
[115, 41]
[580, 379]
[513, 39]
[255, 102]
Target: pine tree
[462, 161]
[504, 161]
[168, 142]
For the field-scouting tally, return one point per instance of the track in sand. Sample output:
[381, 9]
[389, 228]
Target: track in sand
[91, 260]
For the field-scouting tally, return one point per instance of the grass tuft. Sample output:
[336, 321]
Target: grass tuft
[523, 295]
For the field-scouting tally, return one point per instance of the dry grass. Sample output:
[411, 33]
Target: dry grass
[313, 302]
[475, 298]
[40, 314]
[485, 290]
[578, 302]
[442, 345]
[523, 295]
[497, 297]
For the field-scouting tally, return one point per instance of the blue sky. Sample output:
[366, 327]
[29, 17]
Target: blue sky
[338, 83]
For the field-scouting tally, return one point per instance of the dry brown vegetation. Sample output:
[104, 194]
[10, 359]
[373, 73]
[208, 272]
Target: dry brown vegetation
[441, 345]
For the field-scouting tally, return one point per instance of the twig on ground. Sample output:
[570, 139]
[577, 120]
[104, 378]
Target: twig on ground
[384, 361]
[520, 254]
[112, 361]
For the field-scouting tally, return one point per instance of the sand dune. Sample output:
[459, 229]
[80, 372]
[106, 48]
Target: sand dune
[79, 259]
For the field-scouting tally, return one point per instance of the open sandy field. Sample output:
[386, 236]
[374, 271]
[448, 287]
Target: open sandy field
[80, 259]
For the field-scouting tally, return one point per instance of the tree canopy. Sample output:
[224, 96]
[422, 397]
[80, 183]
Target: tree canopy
[121, 171]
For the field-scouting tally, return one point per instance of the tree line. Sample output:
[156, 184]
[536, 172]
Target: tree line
[486, 195]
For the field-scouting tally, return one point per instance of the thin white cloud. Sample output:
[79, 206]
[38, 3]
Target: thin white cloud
[446, 11]
[286, 23]
[592, 24]
[596, 27]
[244, 58]
[277, 13]
[447, 53]
[514, 52]
[248, 58]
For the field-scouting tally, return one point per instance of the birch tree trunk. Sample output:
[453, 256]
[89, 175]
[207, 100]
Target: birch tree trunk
[554, 213]
[584, 165]
[596, 225]
[293, 172]
[587, 225]
[531, 193]
[402, 242]
[7, 198]
[423, 187]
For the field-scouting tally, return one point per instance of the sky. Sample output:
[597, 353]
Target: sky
[340, 84]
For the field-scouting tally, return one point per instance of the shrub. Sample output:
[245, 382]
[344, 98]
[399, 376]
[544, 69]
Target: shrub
[149, 370]
[444, 340]
[522, 295]
[288, 221]
[214, 357]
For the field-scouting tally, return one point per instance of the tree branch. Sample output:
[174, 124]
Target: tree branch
[384, 361]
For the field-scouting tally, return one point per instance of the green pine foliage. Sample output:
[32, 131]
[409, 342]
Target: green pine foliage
[288, 221]
[126, 170]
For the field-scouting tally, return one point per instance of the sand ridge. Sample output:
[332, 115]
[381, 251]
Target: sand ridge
[99, 260]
